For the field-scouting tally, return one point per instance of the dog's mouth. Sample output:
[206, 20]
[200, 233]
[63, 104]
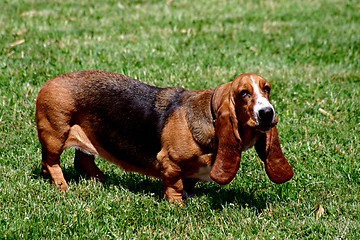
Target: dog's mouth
[265, 128]
[262, 127]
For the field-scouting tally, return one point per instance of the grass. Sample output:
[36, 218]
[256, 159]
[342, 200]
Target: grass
[308, 50]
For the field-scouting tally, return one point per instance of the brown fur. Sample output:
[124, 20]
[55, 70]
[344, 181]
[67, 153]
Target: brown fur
[173, 134]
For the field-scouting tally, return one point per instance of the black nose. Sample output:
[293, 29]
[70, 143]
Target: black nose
[266, 115]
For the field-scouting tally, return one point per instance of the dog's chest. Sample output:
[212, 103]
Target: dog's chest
[252, 141]
[201, 174]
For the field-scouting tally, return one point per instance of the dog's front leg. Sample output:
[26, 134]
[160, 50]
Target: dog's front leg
[173, 190]
[171, 176]
[173, 184]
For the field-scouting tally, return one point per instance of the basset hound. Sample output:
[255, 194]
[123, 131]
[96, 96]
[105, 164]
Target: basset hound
[173, 134]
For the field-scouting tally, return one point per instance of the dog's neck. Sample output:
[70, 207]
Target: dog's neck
[200, 116]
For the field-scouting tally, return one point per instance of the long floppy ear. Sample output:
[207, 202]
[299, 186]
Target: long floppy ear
[228, 154]
[276, 166]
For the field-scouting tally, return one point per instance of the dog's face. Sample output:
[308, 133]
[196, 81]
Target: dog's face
[250, 94]
[246, 117]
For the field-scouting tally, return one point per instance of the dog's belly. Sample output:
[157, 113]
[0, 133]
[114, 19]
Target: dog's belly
[127, 159]
[137, 148]
[151, 168]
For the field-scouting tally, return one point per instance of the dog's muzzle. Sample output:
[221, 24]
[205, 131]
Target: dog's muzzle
[266, 119]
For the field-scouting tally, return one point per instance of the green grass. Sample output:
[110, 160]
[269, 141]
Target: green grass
[308, 50]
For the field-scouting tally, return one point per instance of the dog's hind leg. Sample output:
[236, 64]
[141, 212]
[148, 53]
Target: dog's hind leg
[85, 164]
[53, 113]
[52, 147]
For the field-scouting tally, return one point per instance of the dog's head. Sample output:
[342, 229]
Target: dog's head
[244, 114]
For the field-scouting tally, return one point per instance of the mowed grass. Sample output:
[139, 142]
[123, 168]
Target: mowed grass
[308, 50]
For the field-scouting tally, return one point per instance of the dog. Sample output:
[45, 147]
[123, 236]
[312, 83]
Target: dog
[173, 134]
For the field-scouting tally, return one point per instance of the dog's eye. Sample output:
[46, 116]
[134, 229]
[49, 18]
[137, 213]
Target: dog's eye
[267, 89]
[244, 93]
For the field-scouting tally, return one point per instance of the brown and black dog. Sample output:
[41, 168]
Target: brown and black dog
[177, 135]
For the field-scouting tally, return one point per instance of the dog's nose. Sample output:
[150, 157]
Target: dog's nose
[266, 115]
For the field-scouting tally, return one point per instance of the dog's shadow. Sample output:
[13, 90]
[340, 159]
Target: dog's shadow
[218, 196]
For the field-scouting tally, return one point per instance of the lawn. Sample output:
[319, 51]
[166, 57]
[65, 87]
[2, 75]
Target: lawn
[308, 50]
